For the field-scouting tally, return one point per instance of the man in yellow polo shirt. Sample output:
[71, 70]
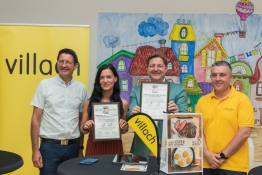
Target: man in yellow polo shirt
[228, 118]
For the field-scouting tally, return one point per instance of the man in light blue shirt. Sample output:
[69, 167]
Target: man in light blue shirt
[58, 104]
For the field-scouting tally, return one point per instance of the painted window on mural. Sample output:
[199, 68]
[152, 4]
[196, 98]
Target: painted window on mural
[190, 83]
[210, 57]
[208, 73]
[121, 66]
[124, 85]
[259, 88]
[183, 32]
[169, 66]
[184, 68]
[183, 49]
[204, 58]
[239, 70]
[237, 87]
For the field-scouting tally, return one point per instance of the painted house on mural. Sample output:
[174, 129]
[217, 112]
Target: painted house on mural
[138, 68]
[241, 73]
[122, 62]
[183, 41]
[256, 92]
[211, 52]
[193, 91]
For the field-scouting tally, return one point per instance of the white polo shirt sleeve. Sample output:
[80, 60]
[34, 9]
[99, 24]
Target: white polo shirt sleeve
[39, 96]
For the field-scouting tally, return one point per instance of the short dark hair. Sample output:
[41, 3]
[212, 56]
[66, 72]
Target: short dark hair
[223, 63]
[68, 51]
[157, 55]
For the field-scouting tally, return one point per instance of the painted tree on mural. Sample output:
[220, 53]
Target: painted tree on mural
[111, 42]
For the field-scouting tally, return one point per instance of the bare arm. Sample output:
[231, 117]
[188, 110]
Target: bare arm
[35, 126]
[86, 124]
[238, 141]
[123, 124]
[211, 158]
[81, 138]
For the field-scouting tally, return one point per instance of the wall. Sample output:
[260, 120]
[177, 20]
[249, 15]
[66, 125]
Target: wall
[84, 12]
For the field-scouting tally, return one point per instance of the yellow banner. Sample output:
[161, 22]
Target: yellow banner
[28, 54]
[144, 126]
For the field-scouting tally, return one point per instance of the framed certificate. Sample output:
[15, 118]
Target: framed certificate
[106, 117]
[154, 99]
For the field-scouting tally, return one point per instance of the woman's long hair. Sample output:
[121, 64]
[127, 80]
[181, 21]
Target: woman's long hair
[97, 91]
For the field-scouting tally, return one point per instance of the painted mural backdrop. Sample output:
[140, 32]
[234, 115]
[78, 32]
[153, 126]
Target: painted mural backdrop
[191, 42]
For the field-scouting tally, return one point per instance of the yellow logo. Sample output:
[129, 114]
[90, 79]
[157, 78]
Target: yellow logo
[145, 128]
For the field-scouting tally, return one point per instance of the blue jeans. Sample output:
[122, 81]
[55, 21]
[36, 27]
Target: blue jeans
[207, 171]
[54, 154]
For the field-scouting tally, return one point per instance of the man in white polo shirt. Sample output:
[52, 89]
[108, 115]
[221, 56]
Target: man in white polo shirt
[58, 104]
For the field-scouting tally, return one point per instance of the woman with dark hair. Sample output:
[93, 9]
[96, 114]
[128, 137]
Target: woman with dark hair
[106, 89]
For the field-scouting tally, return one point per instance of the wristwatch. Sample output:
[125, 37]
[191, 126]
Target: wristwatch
[81, 147]
[222, 155]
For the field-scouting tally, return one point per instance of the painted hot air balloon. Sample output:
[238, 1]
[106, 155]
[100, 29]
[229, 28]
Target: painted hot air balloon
[244, 8]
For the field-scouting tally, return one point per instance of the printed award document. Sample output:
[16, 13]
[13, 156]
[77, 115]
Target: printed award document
[106, 117]
[154, 99]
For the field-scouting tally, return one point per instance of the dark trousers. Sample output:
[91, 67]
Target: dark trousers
[208, 171]
[54, 154]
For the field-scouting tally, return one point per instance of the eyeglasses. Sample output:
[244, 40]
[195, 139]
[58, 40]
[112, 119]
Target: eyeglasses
[61, 62]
